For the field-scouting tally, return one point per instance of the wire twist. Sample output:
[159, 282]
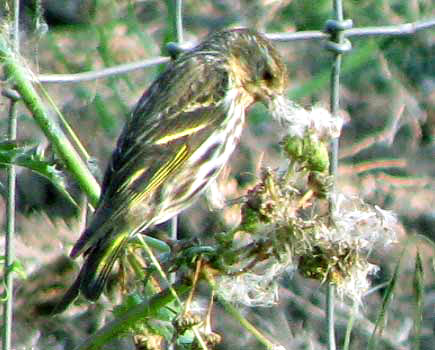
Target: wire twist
[334, 28]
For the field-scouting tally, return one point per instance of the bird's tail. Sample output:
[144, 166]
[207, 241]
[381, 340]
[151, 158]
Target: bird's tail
[99, 263]
[96, 269]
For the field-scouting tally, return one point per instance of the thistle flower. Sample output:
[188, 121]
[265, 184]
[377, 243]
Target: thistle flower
[298, 120]
[288, 229]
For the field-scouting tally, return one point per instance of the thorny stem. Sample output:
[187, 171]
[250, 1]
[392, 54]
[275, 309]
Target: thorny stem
[56, 136]
[148, 308]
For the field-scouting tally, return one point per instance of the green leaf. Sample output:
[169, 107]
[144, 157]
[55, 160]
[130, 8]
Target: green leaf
[31, 157]
[388, 297]
[159, 324]
[17, 268]
[164, 329]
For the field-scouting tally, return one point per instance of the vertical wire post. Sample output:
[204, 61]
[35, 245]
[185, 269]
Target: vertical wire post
[179, 30]
[179, 20]
[179, 35]
[338, 46]
[335, 88]
[10, 232]
[10, 207]
[16, 33]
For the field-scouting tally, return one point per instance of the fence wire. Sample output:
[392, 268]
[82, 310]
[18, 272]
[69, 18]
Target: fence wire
[364, 32]
[9, 259]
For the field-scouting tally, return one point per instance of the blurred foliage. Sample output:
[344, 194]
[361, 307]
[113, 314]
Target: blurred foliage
[387, 100]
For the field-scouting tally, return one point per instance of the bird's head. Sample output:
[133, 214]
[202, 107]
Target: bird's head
[253, 63]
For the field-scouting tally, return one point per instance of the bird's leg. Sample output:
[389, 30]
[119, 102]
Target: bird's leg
[207, 325]
[187, 321]
[209, 337]
[192, 291]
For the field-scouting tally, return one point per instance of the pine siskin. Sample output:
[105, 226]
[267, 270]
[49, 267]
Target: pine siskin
[179, 137]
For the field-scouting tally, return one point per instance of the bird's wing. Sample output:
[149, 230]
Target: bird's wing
[172, 118]
[184, 100]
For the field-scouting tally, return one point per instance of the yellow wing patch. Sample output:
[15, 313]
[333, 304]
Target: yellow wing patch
[111, 253]
[161, 175]
[132, 179]
[185, 132]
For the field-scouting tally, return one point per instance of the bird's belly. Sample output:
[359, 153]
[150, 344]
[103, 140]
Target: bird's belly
[202, 167]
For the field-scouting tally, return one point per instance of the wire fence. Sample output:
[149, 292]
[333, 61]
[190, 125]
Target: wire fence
[335, 38]
[393, 30]
[9, 260]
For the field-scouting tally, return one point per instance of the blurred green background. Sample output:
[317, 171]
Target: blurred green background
[387, 149]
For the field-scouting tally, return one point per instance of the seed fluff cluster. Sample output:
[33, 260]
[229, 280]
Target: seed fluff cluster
[287, 224]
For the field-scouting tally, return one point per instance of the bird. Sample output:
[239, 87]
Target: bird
[179, 136]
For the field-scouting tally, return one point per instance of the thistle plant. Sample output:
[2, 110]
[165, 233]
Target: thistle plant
[286, 225]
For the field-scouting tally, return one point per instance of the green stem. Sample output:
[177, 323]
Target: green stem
[330, 298]
[131, 317]
[64, 149]
[158, 267]
[350, 325]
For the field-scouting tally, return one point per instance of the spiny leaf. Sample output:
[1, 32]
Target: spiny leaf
[159, 324]
[32, 157]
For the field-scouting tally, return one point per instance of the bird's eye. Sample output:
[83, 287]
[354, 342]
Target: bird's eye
[267, 76]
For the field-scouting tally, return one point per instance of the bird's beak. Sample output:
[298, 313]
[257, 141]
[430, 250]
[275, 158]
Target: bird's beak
[278, 106]
[271, 100]
[265, 97]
